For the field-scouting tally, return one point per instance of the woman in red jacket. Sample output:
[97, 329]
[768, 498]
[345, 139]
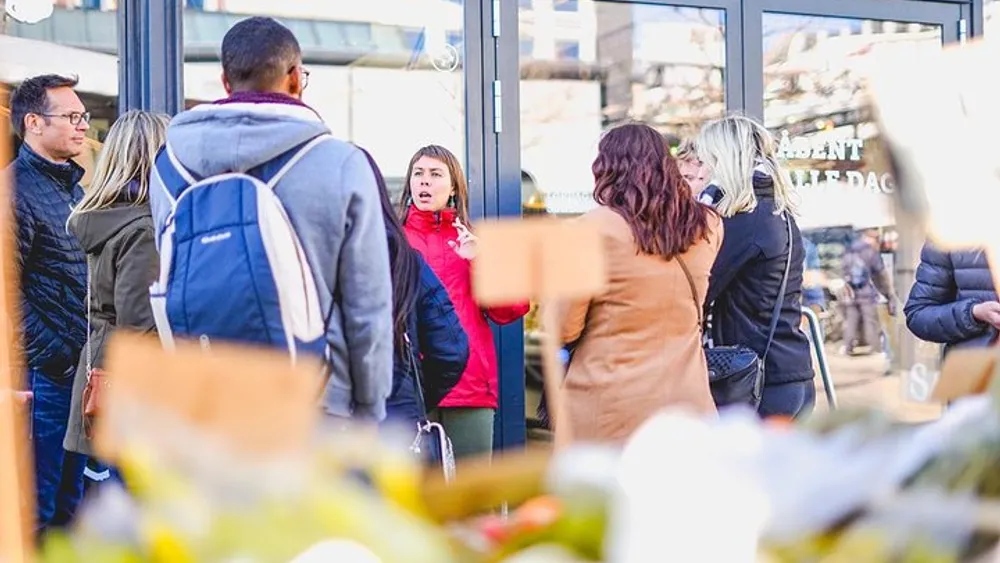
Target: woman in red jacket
[435, 214]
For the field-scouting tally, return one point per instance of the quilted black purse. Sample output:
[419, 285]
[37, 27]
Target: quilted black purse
[736, 373]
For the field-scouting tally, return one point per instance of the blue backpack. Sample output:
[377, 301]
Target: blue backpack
[232, 267]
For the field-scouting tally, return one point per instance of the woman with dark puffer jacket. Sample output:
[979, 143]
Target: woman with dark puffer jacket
[953, 300]
[431, 349]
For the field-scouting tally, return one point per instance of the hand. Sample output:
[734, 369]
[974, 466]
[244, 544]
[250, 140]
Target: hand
[893, 306]
[988, 312]
[466, 245]
[21, 398]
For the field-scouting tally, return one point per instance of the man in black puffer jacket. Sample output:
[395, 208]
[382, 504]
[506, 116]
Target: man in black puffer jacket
[52, 121]
[953, 301]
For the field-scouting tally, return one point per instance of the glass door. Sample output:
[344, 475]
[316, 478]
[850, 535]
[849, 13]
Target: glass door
[588, 65]
[387, 75]
[813, 96]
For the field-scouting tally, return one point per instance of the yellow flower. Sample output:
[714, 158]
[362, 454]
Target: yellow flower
[167, 546]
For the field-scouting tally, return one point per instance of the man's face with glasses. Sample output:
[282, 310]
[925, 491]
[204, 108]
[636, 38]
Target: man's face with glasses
[59, 133]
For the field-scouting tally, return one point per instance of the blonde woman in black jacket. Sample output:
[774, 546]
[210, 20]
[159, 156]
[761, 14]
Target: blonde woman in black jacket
[758, 208]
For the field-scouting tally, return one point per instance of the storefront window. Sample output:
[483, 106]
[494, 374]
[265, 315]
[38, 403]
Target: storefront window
[384, 74]
[604, 64]
[565, 5]
[991, 9]
[78, 39]
[814, 104]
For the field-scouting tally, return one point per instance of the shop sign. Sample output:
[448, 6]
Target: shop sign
[920, 383]
[803, 148]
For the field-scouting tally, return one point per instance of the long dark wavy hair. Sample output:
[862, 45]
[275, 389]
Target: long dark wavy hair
[403, 262]
[635, 176]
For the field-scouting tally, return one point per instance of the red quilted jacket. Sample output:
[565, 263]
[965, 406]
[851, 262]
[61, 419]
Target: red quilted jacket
[429, 233]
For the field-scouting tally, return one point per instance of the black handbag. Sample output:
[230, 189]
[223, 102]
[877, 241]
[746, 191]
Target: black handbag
[736, 373]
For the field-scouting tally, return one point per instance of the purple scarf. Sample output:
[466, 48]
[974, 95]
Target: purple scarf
[264, 98]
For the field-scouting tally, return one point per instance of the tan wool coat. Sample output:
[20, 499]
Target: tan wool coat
[639, 347]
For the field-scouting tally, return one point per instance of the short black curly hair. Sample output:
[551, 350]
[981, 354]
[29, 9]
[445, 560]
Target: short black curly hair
[257, 52]
[31, 96]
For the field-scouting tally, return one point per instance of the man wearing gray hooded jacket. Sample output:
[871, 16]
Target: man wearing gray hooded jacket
[330, 196]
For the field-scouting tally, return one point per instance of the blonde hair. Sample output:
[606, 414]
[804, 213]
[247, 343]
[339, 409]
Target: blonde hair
[687, 150]
[128, 154]
[733, 148]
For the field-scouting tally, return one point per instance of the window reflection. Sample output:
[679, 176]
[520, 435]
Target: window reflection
[991, 17]
[565, 5]
[605, 63]
[526, 47]
[613, 62]
[568, 50]
[79, 39]
[385, 74]
[814, 103]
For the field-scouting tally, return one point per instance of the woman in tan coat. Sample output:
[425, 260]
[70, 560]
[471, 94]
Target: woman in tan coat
[638, 346]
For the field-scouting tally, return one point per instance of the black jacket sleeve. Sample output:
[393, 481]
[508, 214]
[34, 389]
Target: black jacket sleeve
[444, 346]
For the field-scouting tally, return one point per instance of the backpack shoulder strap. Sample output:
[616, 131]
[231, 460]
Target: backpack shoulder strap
[284, 162]
[174, 176]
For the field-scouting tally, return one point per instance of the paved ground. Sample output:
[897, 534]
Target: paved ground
[857, 380]
[860, 381]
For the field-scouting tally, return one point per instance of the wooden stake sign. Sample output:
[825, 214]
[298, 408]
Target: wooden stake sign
[484, 483]
[937, 123]
[253, 401]
[550, 260]
[17, 491]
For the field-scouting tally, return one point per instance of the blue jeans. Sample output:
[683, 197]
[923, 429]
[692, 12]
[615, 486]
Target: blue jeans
[58, 473]
[788, 399]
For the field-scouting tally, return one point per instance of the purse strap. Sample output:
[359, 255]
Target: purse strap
[86, 306]
[411, 356]
[694, 292]
[775, 312]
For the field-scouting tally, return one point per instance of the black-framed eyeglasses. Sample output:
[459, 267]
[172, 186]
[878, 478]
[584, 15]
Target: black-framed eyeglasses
[74, 118]
[304, 72]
